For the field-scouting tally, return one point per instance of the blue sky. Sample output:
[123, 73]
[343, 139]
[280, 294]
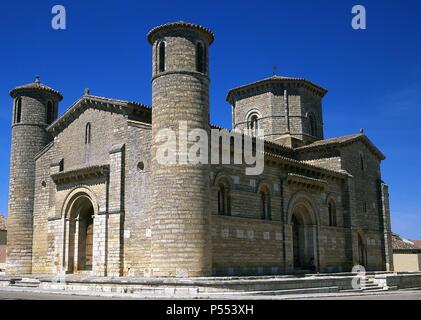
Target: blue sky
[373, 76]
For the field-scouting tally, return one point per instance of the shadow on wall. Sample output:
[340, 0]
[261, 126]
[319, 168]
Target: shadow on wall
[3, 241]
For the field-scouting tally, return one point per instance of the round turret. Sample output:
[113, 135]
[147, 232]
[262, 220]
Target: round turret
[180, 217]
[35, 107]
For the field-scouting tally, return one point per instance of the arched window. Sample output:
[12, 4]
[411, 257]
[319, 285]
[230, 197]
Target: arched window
[224, 200]
[88, 133]
[313, 125]
[362, 164]
[200, 58]
[161, 54]
[265, 204]
[332, 214]
[50, 112]
[18, 110]
[253, 123]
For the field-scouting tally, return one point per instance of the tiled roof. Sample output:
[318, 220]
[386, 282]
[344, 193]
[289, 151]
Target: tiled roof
[401, 244]
[36, 85]
[417, 243]
[334, 142]
[272, 79]
[180, 25]
[3, 223]
[87, 99]
[337, 140]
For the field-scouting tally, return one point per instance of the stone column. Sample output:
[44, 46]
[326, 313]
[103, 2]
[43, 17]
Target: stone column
[387, 230]
[115, 212]
[66, 246]
[76, 246]
[350, 222]
[99, 263]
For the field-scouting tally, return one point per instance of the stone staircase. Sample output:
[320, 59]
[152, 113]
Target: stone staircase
[200, 287]
[371, 285]
[25, 283]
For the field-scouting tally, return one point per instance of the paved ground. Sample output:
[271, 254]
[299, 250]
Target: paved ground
[6, 294]
[391, 296]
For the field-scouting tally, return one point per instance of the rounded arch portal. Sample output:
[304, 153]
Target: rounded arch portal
[77, 195]
[79, 226]
[303, 221]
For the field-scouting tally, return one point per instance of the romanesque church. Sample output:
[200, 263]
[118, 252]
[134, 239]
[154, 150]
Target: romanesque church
[88, 196]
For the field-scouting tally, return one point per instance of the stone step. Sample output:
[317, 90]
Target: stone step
[369, 285]
[373, 289]
[25, 283]
[275, 292]
[158, 290]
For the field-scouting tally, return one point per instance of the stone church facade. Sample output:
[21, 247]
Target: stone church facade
[88, 196]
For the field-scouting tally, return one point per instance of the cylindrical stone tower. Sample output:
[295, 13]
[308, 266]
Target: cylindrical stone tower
[35, 107]
[180, 216]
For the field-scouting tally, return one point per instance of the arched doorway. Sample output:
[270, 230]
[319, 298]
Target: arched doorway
[362, 254]
[80, 226]
[86, 233]
[304, 240]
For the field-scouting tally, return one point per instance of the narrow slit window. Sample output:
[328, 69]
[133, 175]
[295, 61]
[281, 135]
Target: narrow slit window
[50, 112]
[18, 111]
[313, 126]
[88, 134]
[265, 204]
[224, 200]
[161, 62]
[362, 163]
[200, 58]
[332, 214]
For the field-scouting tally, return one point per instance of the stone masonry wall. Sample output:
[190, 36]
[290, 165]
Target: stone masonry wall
[137, 230]
[269, 102]
[70, 147]
[245, 244]
[365, 207]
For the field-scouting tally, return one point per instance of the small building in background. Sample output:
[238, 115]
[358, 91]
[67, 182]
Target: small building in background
[3, 241]
[417, 243]
[406, 254]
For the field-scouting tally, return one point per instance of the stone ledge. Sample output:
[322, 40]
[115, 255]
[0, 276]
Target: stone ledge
[81, 174]
[306, 181]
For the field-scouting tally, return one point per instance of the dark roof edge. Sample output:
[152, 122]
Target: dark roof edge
[273, 79]
[89, 98]
[180, 25]
[35, 87]
[335, 143]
